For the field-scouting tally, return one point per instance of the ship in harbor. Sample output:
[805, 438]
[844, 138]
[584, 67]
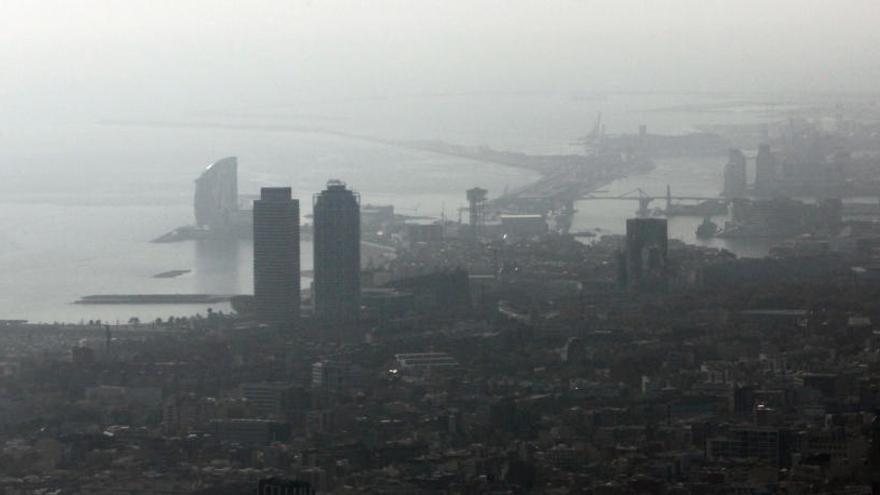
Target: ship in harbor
[707, 229]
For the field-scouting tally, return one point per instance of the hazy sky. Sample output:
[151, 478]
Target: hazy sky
[107, 55]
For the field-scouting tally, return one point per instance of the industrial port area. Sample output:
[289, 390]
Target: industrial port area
[502, 352]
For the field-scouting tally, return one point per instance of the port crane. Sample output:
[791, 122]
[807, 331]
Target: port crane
[645, 199]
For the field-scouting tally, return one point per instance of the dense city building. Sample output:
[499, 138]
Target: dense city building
[337, 238]
[276, 256]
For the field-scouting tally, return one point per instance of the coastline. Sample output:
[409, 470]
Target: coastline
[207, 277]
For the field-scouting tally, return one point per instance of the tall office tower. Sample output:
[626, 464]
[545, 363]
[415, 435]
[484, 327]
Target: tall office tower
[766, 173]
[216, 198]
[276, 256]
[735, 175]
[646, 248]
[337, 242]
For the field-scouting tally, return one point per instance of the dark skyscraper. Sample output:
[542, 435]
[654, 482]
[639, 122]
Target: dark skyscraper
[646, 248]
[276, 255]
[337, 241]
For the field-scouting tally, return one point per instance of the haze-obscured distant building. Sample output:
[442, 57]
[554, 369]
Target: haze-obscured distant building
[766, 173]
[735, 183]
[337, 244]
[276, 256]
[809, 163]
[216, 197]
[377, 215]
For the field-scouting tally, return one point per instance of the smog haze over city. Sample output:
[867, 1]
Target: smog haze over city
[107, 56]
[395, 247]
